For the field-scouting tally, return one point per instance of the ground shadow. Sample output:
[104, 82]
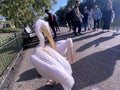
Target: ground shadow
[65, 36]
[62, 36]
[95, 42]
[88, 36]
[95, 68]
[29, 75]
[55, 87]
[72, 35]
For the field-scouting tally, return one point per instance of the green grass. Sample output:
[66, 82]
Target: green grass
[9, 51]
[6, 55]
[5, 38]
[3, 41]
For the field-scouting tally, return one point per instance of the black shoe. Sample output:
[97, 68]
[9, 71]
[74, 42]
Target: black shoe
[69, 30]
[80, 33]
[55, 37]
[76, 34]
[88, 28]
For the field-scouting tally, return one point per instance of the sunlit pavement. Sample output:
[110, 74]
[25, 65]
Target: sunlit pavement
[96, 66]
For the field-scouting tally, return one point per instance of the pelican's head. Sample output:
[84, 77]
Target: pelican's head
[42, 26]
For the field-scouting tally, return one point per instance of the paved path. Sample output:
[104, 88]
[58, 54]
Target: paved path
[96, 67]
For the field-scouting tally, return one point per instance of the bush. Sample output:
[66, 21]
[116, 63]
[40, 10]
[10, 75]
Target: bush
[9, 30]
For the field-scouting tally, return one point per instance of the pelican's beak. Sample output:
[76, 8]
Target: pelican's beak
[47, 33]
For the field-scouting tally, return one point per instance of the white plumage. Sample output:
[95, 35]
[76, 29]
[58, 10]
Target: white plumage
[65, 46]
[48, 62]
[62, 46]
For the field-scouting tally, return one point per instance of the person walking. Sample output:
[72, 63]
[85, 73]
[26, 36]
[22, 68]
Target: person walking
[51, 21]
[77, 18]
[97, 15]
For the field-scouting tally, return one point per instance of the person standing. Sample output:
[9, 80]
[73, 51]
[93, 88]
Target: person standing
[51, 21]
[90, 20]
[69, 18]
[56, 23]
[108, 16]
[97, 15]
[77, 18]
[85, 19]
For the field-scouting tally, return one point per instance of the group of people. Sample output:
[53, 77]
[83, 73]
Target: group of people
[74, 18]
[90, 19]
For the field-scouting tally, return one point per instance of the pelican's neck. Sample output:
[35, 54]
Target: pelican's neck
[42, 26]
[42, 42]
[41, 39]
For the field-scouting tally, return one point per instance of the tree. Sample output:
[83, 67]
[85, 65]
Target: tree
[61, 14]
[22, 12]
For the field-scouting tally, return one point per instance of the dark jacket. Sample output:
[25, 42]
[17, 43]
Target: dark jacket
[77, 16]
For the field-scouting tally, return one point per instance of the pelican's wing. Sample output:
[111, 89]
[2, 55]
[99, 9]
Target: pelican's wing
[47, 66]
[53, 72]
[59, 59]
[42, 54]
[65, 47]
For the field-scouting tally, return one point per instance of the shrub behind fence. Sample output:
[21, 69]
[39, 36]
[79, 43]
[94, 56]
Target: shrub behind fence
[9, 50]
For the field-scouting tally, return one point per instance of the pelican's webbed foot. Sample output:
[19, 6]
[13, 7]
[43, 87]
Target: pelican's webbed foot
[50, 83]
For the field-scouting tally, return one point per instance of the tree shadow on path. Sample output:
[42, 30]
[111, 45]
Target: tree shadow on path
[55, 87]
[95, 68]
[96, 42]
[87, 37]
[29, 75]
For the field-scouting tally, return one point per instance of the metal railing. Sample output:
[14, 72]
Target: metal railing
[8, 53]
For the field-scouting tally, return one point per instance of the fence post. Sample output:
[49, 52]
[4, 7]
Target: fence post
[16, 41]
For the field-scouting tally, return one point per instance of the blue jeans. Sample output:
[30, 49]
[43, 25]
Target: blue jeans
[96, 23]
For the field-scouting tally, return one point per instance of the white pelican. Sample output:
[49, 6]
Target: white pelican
[62, 46]
[48, 62]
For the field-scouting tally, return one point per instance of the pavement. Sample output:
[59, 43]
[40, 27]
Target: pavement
[96, 66]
